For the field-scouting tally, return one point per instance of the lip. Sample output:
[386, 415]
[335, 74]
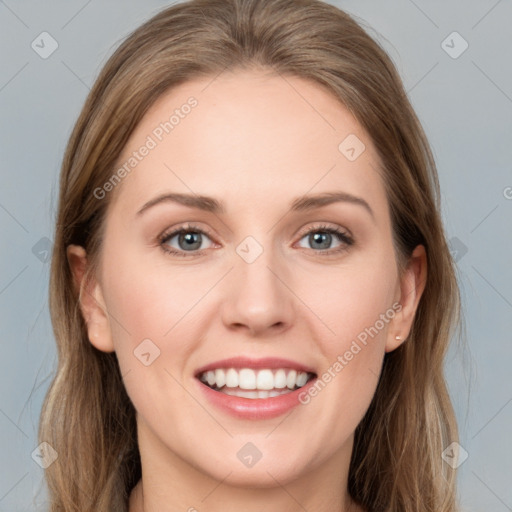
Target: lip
[257, 408]
[247, 362]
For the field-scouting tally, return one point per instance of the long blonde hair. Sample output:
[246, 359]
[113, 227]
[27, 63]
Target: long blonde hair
[87, 416]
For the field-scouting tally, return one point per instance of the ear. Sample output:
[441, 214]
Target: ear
[92, 303]
[411, 286]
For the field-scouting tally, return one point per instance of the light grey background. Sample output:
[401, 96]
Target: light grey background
[465, 105]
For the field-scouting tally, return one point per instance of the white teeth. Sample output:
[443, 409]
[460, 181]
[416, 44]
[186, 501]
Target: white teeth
[262, 381]
[220, 378]
[232, 378]
[247, 379]
[210, 378]
[280, 379]
[302, 378]
[291, 379]
[265, 380]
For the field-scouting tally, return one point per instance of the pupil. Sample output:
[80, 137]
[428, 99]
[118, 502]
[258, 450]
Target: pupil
[190, 240]
[318, 237]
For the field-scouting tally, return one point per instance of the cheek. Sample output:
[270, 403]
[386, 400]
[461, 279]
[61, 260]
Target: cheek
[349, 299]
[356, 303]
[152, 327]
[150, 300]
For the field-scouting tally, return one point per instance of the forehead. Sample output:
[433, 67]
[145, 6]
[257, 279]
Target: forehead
[248, 137]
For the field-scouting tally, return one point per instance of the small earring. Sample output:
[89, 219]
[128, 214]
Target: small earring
[398, 337]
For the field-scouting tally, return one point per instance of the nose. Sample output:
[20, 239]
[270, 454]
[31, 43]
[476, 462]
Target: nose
[258, 298]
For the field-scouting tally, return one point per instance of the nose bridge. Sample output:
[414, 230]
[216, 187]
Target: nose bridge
[259, 299]
[256, 282]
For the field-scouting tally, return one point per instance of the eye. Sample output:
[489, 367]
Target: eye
[189, 239]
[321, 237]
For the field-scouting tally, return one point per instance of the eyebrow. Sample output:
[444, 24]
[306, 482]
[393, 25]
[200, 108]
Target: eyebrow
[304, 203]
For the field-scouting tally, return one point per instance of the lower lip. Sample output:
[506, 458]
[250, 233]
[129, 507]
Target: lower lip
[255, 408]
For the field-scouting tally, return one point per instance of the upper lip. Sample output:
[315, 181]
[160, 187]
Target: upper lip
[247, 362]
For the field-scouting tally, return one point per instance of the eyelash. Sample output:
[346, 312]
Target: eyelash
[341, 235]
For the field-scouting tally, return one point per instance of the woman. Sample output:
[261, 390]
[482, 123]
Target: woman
[212, 355]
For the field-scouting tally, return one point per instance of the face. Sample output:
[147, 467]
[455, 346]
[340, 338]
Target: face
[268, 291]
